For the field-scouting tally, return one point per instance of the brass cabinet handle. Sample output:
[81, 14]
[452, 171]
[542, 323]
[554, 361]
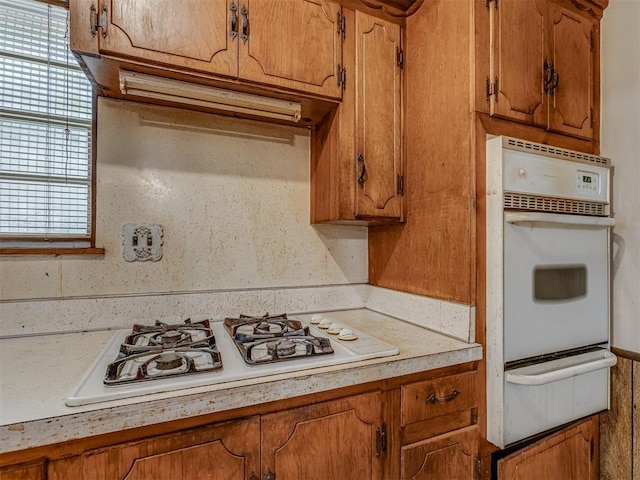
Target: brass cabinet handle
[253, 476]
[549, 77]
[245, 24]
[552, 88]
[233, 33]
[270, 475]
[552, 78]
[363, 170]
[447, 398]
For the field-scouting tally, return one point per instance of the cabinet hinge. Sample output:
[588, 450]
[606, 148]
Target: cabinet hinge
[381, 439]
[341, 23]
[492, 88]
[400, 184]
[593, 122]
[400, 57]
[100, 20]
[342, 76]
[593, 41]
[477, 474]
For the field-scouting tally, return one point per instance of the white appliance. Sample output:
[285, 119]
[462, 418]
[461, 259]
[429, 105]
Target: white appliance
[548, 285]
[359, 346]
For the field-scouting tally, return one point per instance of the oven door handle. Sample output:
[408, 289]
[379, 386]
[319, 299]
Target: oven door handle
[609, 360]
[535, 219]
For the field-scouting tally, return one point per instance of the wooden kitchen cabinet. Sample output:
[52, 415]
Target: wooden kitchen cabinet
[29, 471]
[357, 151]
[191, 35]
[264, 41]
[292, 44]
[544, 56]
[333, 440]
[452, 456]
[439, 433]
[227, 451]
[571, 454]
[288, 51]
[368, 431]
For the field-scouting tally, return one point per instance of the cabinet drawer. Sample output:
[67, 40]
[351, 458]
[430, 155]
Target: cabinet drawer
[432, 398]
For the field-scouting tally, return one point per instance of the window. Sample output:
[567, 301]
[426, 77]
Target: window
[45, 131]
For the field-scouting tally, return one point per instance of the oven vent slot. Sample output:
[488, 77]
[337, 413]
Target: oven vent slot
[557, 205]
[517, 144]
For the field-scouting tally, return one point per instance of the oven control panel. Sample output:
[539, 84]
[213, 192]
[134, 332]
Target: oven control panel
[530, 174]
[588, 181]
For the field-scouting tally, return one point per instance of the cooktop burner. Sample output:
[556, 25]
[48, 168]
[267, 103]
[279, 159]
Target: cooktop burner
[163, 350]
[164, 357]
[271, 339]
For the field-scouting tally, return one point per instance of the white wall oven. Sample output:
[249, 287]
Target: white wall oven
[548, 284]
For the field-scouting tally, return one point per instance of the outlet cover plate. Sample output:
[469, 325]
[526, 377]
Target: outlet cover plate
[142, 242]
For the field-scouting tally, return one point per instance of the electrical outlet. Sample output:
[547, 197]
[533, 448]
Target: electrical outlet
[142, 242]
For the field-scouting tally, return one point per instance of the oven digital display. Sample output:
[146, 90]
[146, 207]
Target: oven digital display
[588, 182]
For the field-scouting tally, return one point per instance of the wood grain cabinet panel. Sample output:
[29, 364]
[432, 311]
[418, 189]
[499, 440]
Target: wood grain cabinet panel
[572, 40]
[572, 454]
[518, 38]
[30, 471]
[357, 151]
[452, 456]
[378, 117]
[227, 451]
[189, 35]
[331, 440]
[292, 44]
[542, 65]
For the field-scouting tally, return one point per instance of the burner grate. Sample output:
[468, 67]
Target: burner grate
[164, 350]
[270, 339]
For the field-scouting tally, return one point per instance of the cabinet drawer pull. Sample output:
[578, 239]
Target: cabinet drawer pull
[270, 475]
[253, 476]
[447, 398]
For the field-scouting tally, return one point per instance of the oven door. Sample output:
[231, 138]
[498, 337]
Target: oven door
[556, 283]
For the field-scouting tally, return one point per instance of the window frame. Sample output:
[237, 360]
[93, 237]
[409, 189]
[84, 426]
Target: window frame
[40, 244]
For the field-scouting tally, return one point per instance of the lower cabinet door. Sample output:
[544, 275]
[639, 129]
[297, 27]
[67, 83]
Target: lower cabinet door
[31, 471]
[571, 454]
[332, 440]
[226, 451]
[451, 456]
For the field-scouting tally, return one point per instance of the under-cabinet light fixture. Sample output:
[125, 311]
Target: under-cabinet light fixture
[177, 91]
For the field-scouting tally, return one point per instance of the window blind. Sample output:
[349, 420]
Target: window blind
[45, 126]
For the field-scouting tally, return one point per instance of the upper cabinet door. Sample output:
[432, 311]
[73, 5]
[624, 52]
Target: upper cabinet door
[190, 34]
[378, 146]
[294, 44]
[572, 52]
[517, 58]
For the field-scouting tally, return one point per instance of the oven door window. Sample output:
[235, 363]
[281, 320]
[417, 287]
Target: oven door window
[559, 282]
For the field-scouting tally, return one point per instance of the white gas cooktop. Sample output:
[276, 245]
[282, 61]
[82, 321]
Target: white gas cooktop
[91, 388]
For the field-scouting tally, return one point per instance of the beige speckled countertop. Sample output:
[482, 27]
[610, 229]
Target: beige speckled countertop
[33, 392]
